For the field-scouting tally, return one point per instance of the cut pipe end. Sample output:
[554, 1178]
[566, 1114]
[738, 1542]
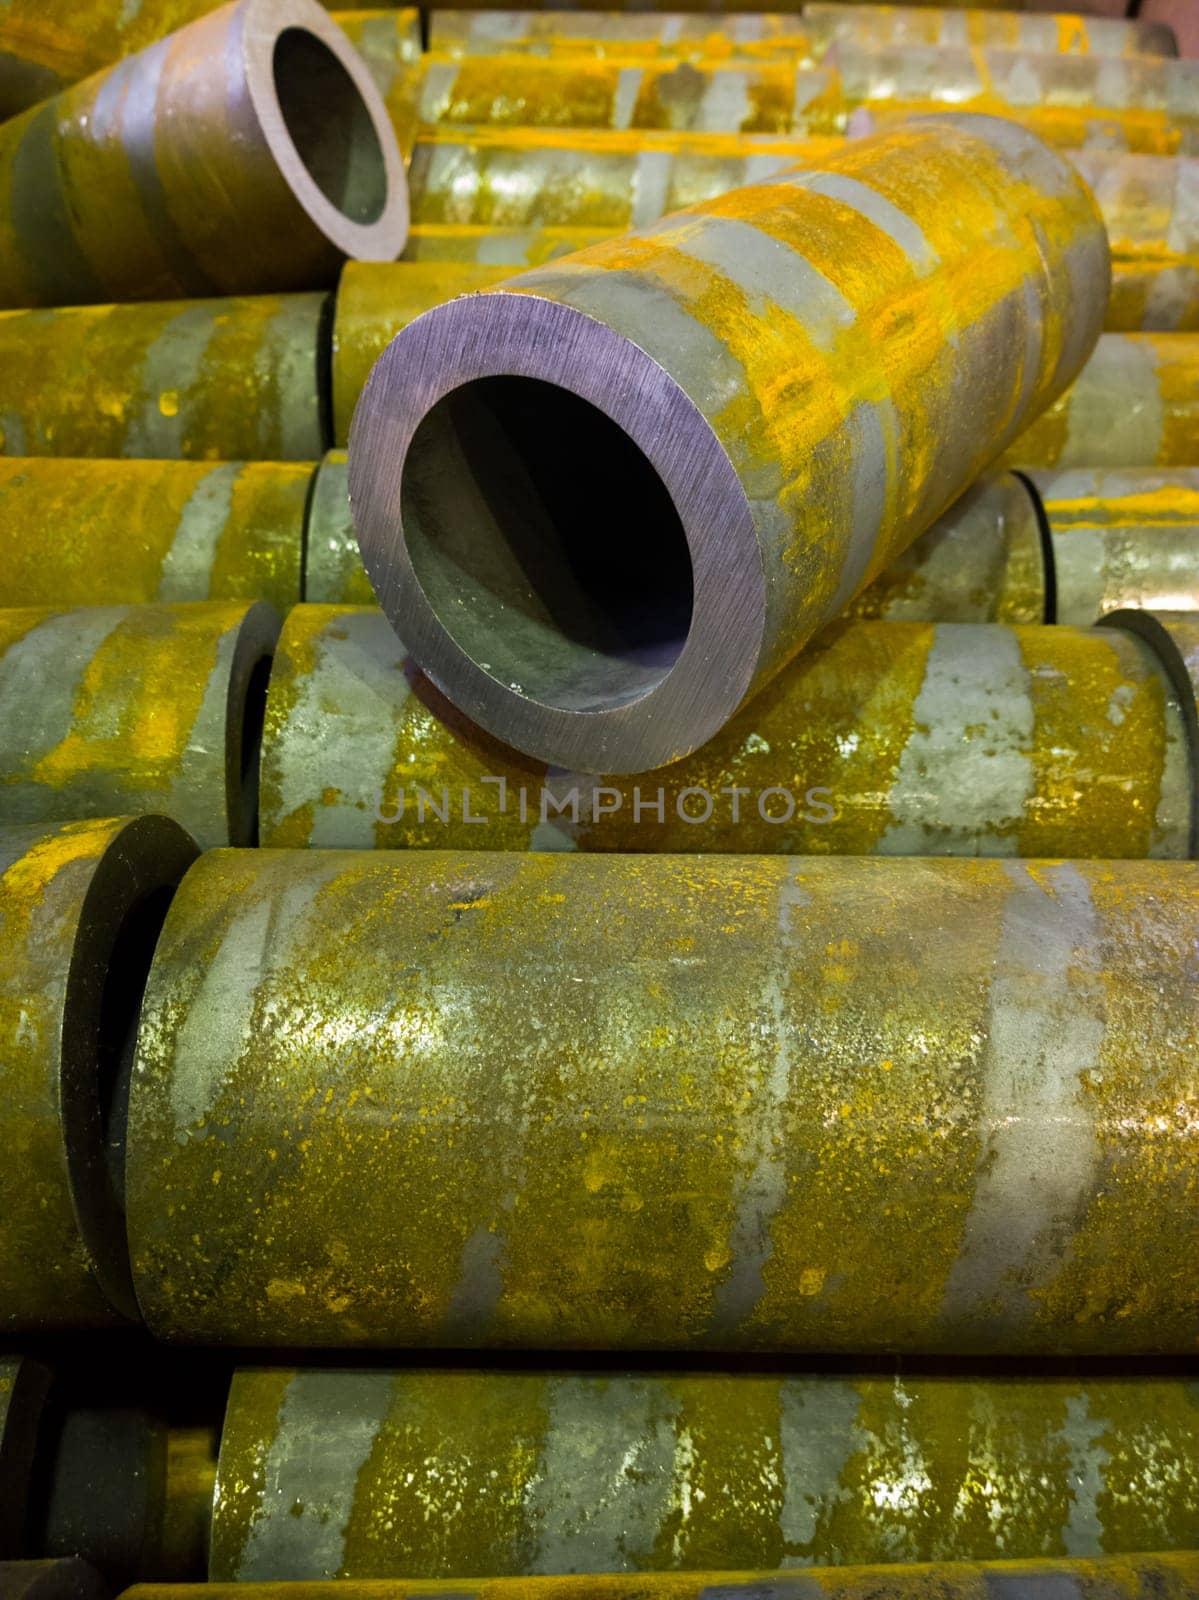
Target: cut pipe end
[327, 127]
[556, 534]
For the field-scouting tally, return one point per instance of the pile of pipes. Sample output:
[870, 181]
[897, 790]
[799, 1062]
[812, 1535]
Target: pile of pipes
[599, 803]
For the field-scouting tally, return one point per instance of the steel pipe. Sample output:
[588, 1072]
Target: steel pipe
[888, 738]
[113, 709]
[390, 44]
[501, 1102]
[248, 151]
[80, 905]
[459, 1474]
[1135, 404]
[951, 27]
[1150, 206]
[333, 570]
[80, 532]
[631, 36]
[201, 380]
[769, 442]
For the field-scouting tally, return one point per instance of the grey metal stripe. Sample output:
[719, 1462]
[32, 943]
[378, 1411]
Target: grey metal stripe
[868, 203]
[187, 566]
[41, 220]
[40, 676]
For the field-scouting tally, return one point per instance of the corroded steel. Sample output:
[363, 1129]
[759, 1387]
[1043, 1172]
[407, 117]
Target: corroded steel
[113, 709]
[955, 27]
[24, 1385]
[1135, 404]
[389, 41]
[1122, 538]
[983, 561]
[333, 570]
[438, 1098]
[461, 1474]
[1150, 206]
[248, 151]
[374, 301]
[773, 384]
[79, 532]
[78, 904]
[227, 379]
[899, 738]
[1135, 1577]
[630, 36]
[516, 249]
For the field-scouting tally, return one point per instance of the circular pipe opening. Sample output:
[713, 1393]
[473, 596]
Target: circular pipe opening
[330, 125]
[546, 544]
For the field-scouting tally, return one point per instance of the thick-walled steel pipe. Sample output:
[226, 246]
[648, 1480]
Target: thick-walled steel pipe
[80, 905]
[1122, 539]
[769, 438]
[248, 151]
[891, 738]
[1135, 404]
[79, 532]
[113, 709]
[237, 379]
[685, 1102]
[384, 1474]
[1150, 205]
[390, 44]
[333, 570]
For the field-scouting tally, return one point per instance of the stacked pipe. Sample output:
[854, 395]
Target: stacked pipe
[699, 876]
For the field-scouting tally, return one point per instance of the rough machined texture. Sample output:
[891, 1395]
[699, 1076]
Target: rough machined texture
[107, 710]
[201, 380]
[785, 367]
[378, 1474]
[890, 738]
[440, 1098]
[72, 899]
[80, 532]
[248, 151]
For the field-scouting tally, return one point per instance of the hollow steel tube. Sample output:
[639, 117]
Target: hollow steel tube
[376, 1473]
[248, 151]
[80, 532]
[818, 453]
[890, 738]
[113, 709]
[1150, 206]
[1134, 404]
[501, 1102]
[78, 903]
[389, 42]
[235, 379]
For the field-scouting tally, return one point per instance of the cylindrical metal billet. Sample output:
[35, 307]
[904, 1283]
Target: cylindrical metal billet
[333, 570]
[475, 244]
[1135, 404]
[70, 1579]
[248, 151]
[113, 709]
[24, 1385]
[753, 406]
[79, 532]
[1150, 205]
[374, 301]
[202, 380]
[896, 738]
[1071, 101]
[438, 1098]
[1136, 1577]
[633, 36]
[80, 905]
[952, 27]
[384, 1474]
[1122, 539]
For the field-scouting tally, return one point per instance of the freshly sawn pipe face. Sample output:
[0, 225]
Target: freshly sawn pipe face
[80, 904]
[682, 1102]
[888, 738]
[768, 441]
[377, 1474]
[114, 709]
[248, 151]
[80, 532]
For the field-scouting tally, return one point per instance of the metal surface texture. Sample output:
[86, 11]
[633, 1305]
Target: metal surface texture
[80, 532]
[681, 1102]
[771, 442]
[1122, 538]
[1150, 205]
[460, 1474]
[389, 42]
[107, 710]
[236, 379]
[70, 1579]
[1135, 404]
[79, 907]
[333, 570]
[1135, 1577]
[24, 1385]
[631, 36]
[957, 27]
[249, 151]
[374, 301]
[896, 738]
